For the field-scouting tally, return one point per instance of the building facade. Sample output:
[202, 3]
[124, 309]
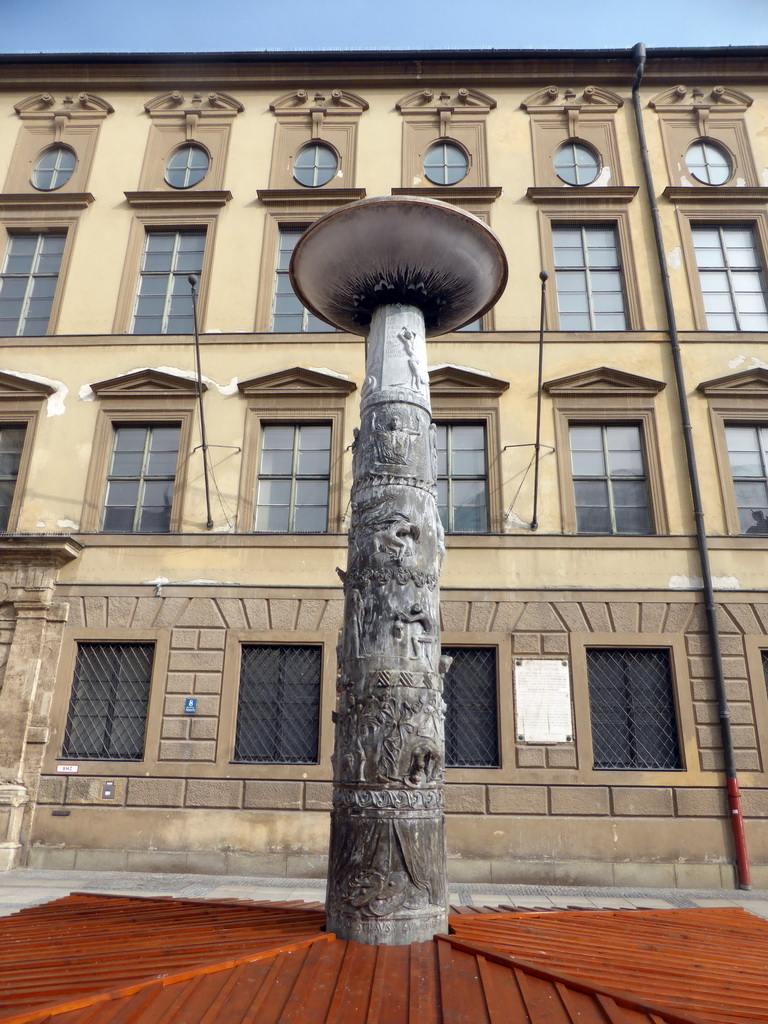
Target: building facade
[169, 636]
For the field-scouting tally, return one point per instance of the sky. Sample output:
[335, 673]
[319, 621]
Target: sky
[118, 26]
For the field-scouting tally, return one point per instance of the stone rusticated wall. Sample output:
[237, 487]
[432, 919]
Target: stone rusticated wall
[477, 806]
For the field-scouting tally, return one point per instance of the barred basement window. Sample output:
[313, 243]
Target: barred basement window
[471, 722]
[632, 706]
[108, 706]
[765, 668]
[278, 711]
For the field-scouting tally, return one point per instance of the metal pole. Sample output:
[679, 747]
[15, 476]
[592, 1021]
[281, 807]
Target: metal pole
[193, 280]
[710, 607]
[543, 277]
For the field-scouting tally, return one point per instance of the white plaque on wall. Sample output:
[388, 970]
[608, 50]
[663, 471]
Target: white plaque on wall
[543, 700]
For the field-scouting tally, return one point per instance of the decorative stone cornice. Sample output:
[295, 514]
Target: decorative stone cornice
[746, 384]
[684, 97]
[146, 384]
[199, 199]
[46, 201]
[554, 98]
[455, 382]
[297, 382]
[174, 104]
[716, 194]
[603, 382]
[86, 106]
[317, 198]
[582, 194]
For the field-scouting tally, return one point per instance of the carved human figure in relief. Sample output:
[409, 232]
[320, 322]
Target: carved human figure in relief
[415, 628]
[392, 442]
[416, 382]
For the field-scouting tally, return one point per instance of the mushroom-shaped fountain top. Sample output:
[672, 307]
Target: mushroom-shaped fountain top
[421, 252]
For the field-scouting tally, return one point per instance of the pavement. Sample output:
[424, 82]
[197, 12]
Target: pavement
[29, 887]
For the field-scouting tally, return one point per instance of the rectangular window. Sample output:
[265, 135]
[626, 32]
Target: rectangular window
[294, 475]
[140, 483]
[11, 444]
[748, 456]
[472, 720]
[108, 707]
[462, 477]
[609, 479]
[288, 314]
[731, 278]
[632, 708]
[588, 276]
[278, 712]
[164, 300]
[28, 283]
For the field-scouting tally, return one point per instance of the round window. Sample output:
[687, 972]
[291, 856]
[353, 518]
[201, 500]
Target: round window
[445, 163]
[54, 168]
[708, 162]
[187, 166]
[576, 164]
[315, 165]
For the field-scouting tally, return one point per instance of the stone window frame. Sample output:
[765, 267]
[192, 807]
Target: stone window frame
[141, 398]
[462, 396]
[64, 220]
[62, 694]
[236, 638]
[688, 114]
[290, 208]
[331, 117]
[737, 397]
[295, 396]
[431, 116]
[605, 395]
[691, 212]
[203, 119]
[587, 116]
[75, 122]
[755, 646]
[684, 711]
[573, 211]
[21, 401]
[144, 221]
[502, 642]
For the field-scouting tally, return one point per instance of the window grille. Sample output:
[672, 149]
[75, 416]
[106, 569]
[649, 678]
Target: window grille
[765, 668]
[141, 479]
[164, 302]
[288, 314]
[462, 477]
[11, 444]
[108, 707]
[28, 282]
[731, 278]
[632, 706]
[294, 475]
[471, 722]
[609, 479]
[278, 712]
[748, 456]
[588, 278]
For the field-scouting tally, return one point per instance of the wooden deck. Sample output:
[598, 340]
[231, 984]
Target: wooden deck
[89, 959]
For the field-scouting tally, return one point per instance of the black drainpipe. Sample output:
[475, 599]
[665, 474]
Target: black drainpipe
[732, 782]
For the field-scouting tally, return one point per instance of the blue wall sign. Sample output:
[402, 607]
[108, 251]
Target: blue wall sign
[190, 706]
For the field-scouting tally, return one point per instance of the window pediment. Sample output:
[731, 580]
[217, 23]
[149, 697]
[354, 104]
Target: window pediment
[336, 103]
[175, 104]
[147, 384]
[84, 106]
[748, 383]
[297, 381]
[554, 99]
[442, 106]
[680, 97]
[12, 386]
[604, 382]
[456, 382]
